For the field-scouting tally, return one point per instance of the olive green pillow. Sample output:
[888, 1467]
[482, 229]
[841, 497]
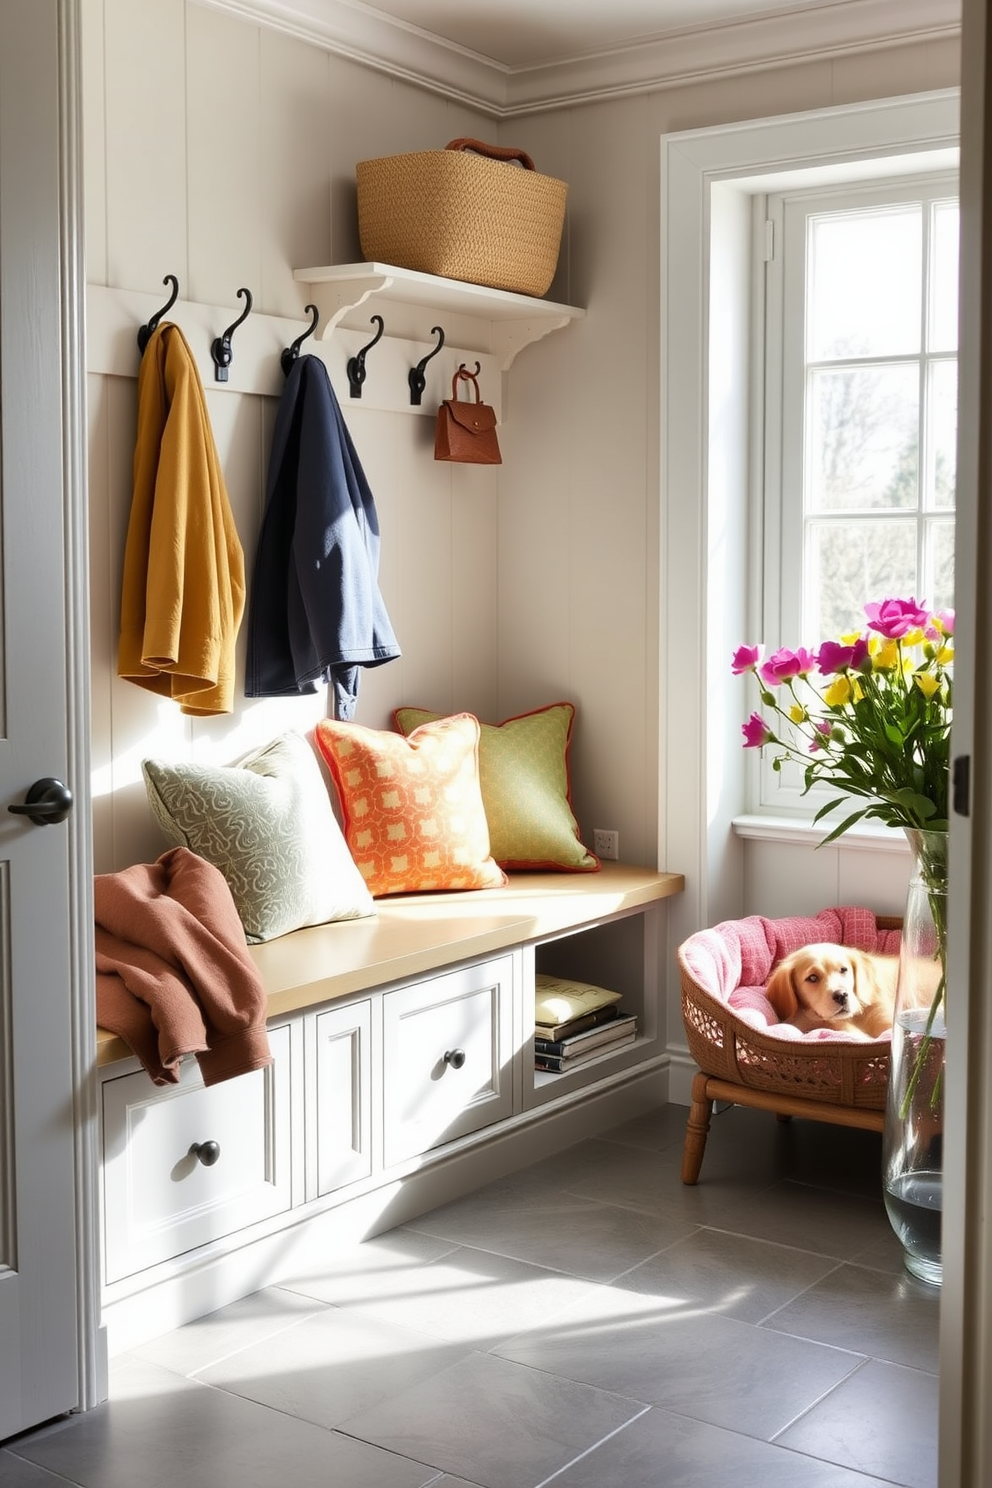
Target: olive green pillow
[267, 823]
[523, 772]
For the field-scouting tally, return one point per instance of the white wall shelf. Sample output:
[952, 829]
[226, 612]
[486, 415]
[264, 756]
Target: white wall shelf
[515, 320]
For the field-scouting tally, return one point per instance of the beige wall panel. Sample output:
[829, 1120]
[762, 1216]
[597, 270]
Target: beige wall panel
[294, 117]
[878, 880]
[474, 544]
[236, 421]
[363, 125]
[782, 880]
[757, 95]
[225, 202]
[146, 142]
[601, 390]
[144, 726]
[415, 567]
[907, 69]
[94, 140]
[547, 138]
[535, 514]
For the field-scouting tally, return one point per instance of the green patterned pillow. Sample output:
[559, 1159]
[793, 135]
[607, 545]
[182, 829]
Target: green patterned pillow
[523, 772]
[267, 823]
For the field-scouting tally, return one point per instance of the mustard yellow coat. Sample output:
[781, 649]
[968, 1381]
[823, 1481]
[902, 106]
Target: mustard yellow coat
[183, 590]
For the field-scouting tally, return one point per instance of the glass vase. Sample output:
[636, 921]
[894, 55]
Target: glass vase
[913, 1135]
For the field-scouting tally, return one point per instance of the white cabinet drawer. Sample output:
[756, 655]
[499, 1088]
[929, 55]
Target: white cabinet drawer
[447, 1057]
[341, 1145]
[160, 1198]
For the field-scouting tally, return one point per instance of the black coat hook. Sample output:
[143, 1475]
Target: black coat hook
[415, 376]
[293, 350]
[221, 349]
[356, 364]
[145, 331]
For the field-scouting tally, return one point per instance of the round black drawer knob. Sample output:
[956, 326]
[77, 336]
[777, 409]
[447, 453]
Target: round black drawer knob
[455, 1057]
[205, 1152]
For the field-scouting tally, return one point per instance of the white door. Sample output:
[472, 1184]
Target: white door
[966, 1297]
[43, 997]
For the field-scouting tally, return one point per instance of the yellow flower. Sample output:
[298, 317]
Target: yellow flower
[912, 638]
[886, 657]
[927, 683]
[838, 693]
[849, 637]
[945, 655]
[797, 713]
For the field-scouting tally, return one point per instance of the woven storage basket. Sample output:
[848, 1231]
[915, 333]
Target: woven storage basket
[463, 215]
[727, 1047]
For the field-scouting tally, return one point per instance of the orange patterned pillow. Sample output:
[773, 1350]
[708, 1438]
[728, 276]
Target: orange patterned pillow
[412, 807]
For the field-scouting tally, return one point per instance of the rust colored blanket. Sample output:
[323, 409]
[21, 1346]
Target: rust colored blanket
[173, 973]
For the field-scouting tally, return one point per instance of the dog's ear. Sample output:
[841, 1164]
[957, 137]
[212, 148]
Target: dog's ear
[866, 983]
[780, 991]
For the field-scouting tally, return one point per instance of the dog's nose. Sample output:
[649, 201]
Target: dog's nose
[840, 998]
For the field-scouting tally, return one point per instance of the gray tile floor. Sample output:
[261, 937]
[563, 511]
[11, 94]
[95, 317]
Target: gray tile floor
[588, 1321]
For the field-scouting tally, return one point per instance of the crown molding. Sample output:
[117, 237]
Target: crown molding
[811, 34]
[387, 45]
[814, 33]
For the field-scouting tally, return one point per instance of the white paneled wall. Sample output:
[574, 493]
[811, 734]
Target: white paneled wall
[797, 878]
[231, 162]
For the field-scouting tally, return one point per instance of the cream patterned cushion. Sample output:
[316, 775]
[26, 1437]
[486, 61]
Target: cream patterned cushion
[267, 823]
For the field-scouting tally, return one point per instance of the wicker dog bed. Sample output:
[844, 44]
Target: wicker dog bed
[746, 1056]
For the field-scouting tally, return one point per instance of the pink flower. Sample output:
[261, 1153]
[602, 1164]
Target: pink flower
[783, 665]
[945, 619]
[756, 732]
[892, 618]
[833, 657]
[821, 728]
[746, 659]
[860, 655]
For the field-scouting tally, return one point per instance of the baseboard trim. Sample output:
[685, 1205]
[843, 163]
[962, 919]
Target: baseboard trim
[681, 1070]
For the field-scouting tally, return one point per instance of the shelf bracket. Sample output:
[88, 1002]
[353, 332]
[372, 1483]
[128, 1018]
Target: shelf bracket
[511, 336]
[334, 301]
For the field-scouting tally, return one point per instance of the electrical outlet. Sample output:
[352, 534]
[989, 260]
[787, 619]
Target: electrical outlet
[606, 844]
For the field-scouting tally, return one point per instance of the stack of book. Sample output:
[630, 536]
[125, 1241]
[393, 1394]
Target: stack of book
[589, 1022]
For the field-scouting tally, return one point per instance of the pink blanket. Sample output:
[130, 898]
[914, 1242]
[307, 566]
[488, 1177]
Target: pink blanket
[173, 973]
[733, 960]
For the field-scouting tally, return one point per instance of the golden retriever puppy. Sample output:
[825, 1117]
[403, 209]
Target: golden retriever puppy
[834, 986]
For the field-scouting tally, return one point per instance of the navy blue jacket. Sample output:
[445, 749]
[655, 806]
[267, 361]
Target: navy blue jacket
[315, 614]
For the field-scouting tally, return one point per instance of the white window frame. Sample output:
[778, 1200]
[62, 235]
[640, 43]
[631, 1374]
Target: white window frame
[778, 428]
[707, 549]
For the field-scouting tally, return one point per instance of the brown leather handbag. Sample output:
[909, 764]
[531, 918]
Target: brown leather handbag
[466, 431]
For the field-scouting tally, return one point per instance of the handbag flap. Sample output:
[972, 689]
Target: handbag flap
[474, 418]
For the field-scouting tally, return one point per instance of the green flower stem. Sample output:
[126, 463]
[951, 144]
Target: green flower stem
[936, 878]
[921, 1056]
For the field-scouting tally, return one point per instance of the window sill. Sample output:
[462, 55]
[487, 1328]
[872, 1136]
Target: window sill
[797, 830]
